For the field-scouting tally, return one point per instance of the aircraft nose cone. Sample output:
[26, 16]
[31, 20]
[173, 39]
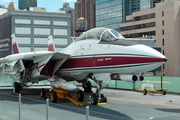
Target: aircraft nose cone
[165, 59]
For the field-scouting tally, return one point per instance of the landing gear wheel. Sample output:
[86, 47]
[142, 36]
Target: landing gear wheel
[103, 98]
[53, 97]
[145, 92]
[94, 99]
[43, 93]
[164, 92]
[16, 87]
[88, 87]
[80, 95]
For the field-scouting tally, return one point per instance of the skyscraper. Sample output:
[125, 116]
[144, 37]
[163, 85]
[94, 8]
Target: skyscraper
[86, 9]
[139, 5]
[24, 4]
[70, 10]
[110, 13]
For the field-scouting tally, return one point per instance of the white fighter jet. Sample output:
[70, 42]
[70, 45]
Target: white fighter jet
[100, 54]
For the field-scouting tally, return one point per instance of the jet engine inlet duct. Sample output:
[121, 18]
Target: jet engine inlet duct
[141, 78]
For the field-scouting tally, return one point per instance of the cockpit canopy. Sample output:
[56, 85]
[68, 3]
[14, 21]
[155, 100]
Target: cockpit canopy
[105, 36]
[102, 34]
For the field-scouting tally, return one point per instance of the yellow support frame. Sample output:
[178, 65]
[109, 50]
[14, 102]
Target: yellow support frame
[64, 94]
[152, 90]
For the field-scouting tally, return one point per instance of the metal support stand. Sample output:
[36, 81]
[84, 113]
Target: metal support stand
[134, 86]
[47, 108]
[161, 82]
[87, 113]
[19, 106]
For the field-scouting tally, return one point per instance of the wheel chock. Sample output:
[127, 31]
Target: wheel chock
[101, 103]
[14, 93]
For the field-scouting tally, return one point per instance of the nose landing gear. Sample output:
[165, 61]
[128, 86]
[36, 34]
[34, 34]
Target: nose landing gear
[98, 98]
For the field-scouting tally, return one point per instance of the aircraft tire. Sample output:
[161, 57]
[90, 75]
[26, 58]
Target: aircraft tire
[53, 97]
[145, 92]
[103, 98]
[80, 96]
[164, 92]
[16, 87]
[43, 93]
[94, 99]
[89, 87]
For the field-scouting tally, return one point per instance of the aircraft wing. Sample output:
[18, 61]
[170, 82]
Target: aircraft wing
[33, 65]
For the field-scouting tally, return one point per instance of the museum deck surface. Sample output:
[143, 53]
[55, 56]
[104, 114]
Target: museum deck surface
[122, 105]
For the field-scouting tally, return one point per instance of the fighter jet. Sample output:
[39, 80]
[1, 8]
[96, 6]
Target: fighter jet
[100, 54]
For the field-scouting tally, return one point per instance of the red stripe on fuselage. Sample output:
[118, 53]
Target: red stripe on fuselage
[101, 61]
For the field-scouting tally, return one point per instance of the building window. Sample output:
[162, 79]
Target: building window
[60, 22]
[22, 30]
[163, 52]
[163, 66]
[163, 23]
[163, 42]
[136, 35]
[22, 20]
[60, 40]
[23, 39]
[40, 40]
[163, 13]
[42, 30]
[140, 26]
[41, 21]
[60, 31]
[163, 31]
[143, 17]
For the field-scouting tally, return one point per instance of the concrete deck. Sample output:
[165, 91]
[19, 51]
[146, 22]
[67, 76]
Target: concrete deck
[122, 105]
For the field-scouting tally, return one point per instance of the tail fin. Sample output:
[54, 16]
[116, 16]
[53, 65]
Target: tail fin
[15, 45]
[51, 46]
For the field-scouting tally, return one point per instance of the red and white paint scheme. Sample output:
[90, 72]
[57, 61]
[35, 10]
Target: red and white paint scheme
[104, 54]
[51, 46]
[31, 66]
[99, 54]
[14, 45]
[102, 50]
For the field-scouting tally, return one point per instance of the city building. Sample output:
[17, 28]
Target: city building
[2, 11]
[24, 4]
[69, 10]
[85, 9]
[110, 13]
[90, 14]
[2, 6]
[37, 9]
[161, 23]
[139, 5]
[32, 29]
[12, 6]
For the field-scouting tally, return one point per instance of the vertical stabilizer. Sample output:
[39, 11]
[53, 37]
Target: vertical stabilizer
[51, 46]
[15, 45]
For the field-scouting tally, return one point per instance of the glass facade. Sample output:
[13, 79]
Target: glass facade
[138, 5]
[137, 35]
[24, 4]
[109, 13]
[140, 26]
